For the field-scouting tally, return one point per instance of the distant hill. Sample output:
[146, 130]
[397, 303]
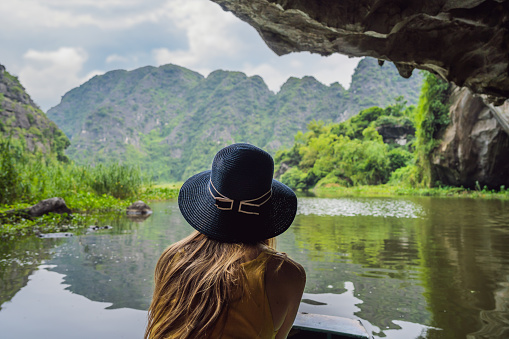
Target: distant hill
[22, 119]
[172, 120]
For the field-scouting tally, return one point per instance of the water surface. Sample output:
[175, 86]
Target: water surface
[406, 267]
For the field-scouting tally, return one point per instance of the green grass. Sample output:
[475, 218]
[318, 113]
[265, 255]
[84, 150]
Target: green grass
[392, 191]
[160, 192]
[26, 179]
[84, 205]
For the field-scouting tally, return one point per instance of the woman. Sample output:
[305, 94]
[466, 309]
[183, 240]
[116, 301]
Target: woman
[225, 280]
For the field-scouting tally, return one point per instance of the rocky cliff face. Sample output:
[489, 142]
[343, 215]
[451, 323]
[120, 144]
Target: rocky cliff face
[171, 120]
[466, 42]
[22, 118]
[474, 147]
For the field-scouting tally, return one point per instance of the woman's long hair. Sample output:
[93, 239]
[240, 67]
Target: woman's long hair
[195, 280]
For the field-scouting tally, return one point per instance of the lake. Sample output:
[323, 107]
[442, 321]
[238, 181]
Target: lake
[406, 267]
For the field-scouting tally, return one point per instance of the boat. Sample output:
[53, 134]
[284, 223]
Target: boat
[319, 326]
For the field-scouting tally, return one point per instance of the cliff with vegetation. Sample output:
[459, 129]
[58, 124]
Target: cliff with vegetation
[21, 119]
[472, 149]
[452, 138]
[358, 151]
[171, 120]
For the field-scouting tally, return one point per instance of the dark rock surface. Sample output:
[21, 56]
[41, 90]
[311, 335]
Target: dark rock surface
[466, 42]
[395, 133]
[52, 205]
[475, 146]
[138, 207]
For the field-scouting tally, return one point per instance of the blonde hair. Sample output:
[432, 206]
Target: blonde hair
[195, 281]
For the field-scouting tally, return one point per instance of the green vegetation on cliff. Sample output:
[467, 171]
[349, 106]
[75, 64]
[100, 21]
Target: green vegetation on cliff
[171, 121]
[431, 119]
[24, 121]
[361, 151]
[34, 167]
[350, 153]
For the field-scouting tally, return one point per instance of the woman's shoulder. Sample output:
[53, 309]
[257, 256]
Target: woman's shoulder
[284, 280]
[283, 270]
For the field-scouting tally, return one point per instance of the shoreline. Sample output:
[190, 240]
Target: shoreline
[398, 191]
[83, 205]
[12, 228]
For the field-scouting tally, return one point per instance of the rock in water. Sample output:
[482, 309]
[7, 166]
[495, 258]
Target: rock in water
[52, 205]
[139, 207]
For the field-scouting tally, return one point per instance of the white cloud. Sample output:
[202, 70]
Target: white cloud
[47, 75]
[218, 40]
[336, 68]
[105, 14]
[116, 58]
[333, 68]
[135, 33]
[210, 34]
[273, 76]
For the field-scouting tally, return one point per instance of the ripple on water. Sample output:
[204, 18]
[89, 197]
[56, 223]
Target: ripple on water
[397, 208]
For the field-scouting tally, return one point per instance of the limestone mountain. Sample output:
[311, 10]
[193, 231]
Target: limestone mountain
[23, 120]
[171, 120]
[373, 85]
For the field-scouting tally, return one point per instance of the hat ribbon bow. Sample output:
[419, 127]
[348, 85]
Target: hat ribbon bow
[226, 204]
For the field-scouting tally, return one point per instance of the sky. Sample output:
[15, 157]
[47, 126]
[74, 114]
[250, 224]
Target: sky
[54, 46]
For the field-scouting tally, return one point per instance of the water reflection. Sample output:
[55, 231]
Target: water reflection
[117, 265]
[375, 256]
[465, 260]
[441, 263]
[408, 268]
[327, 303]
[18, 259]
[45, 309]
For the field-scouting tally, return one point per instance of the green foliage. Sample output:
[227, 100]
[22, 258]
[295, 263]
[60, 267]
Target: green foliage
[17, 90]
[120, 181]
[28, 178]
[25, 179]
[11, 186]
[431, 119]
[14, 225]
[60, 143]
[394, 120]
[350, 153]
[295, 179]
[399, 157]
[151, 192]
[408, 176]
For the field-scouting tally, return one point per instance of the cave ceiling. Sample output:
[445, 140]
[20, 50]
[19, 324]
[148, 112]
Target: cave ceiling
[463, 41]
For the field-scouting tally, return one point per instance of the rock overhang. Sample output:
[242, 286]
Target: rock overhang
[465, 42]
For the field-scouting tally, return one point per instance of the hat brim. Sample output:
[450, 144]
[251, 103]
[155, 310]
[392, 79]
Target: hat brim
[198, 208]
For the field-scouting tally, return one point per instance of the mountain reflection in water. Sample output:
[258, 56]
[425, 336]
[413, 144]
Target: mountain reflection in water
[406, 267]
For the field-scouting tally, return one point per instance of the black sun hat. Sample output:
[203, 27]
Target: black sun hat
[237, 200]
